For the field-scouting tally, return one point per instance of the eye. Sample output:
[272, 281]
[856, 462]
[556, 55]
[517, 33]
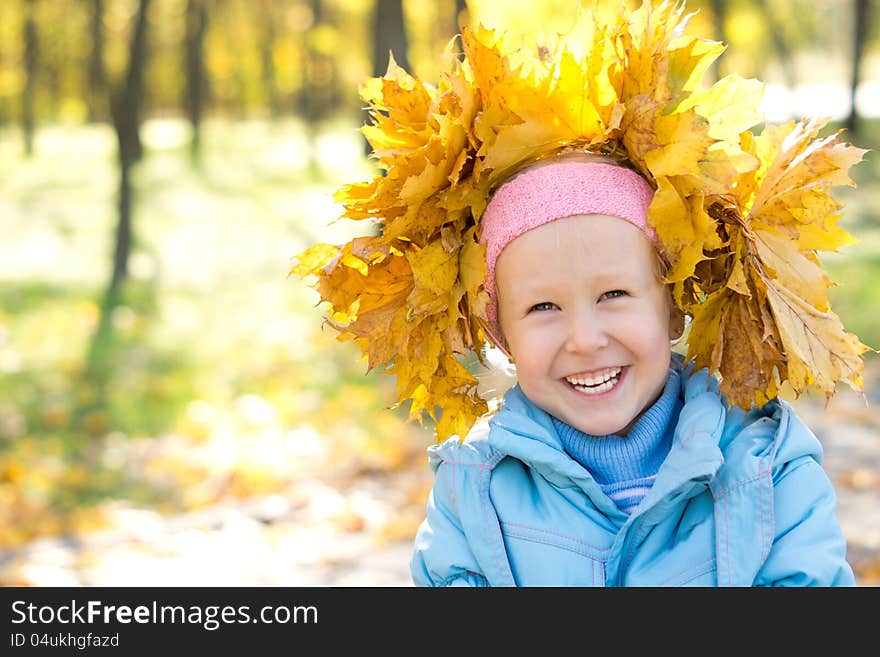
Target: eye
[541, 307]
[613, 294]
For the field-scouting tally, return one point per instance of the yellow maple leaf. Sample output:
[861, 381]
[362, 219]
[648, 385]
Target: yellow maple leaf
[457, 391]
[818, 350]
[773, 317]
[399, 109]
[799, 271]
[682, 138]
[434, 272]
[313, 259]
[684, 228]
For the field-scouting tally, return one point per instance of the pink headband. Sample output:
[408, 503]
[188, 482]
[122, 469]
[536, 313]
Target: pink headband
[543, 194]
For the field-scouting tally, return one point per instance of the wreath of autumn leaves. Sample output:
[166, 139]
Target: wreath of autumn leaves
[740, 216]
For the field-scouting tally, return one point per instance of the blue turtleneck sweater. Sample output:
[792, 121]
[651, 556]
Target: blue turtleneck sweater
[625, 467]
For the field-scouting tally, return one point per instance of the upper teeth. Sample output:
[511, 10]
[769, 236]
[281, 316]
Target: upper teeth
[594, 379]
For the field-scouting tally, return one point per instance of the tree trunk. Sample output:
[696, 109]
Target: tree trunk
[461, 13]
[97, 71]
[719, 17]
[462, 18]
[389, 35]
[269, 21]
[780, 45]
[861, 20]
[196, 24]
[126, 105]
[319, 79]
[31, 56]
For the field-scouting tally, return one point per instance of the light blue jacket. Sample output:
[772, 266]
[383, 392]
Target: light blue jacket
[741, 500]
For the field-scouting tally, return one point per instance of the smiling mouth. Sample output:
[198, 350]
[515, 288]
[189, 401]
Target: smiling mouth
[597, 383]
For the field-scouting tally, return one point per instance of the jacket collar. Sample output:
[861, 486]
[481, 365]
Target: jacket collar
[524, 431]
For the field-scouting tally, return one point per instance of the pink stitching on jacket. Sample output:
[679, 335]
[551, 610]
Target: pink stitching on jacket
[538, 539]
[761, 507]
[718, 530]
[771, 515]
[727, 541]
[685, 441]
[635, 532]
[724, 491]
[768, 483]
[455, 491]
[694, 567]
[485, 505]
[545, 531]
[704, 571]
[546, 541]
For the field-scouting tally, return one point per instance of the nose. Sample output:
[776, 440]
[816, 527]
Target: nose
[586, 332]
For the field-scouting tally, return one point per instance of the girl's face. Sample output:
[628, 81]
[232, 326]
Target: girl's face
[587, 320]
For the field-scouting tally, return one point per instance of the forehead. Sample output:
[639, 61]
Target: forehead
[579, 245]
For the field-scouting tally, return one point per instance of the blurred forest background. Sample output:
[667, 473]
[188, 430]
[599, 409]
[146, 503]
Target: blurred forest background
[170, 409]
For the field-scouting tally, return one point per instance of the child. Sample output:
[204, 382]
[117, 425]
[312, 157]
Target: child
[573, 205]
[609, 463]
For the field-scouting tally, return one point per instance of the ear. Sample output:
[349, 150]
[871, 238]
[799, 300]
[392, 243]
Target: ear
[676, 322]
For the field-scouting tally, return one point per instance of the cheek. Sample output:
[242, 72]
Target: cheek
[531, 347]
[657, 353]
[647, 334]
